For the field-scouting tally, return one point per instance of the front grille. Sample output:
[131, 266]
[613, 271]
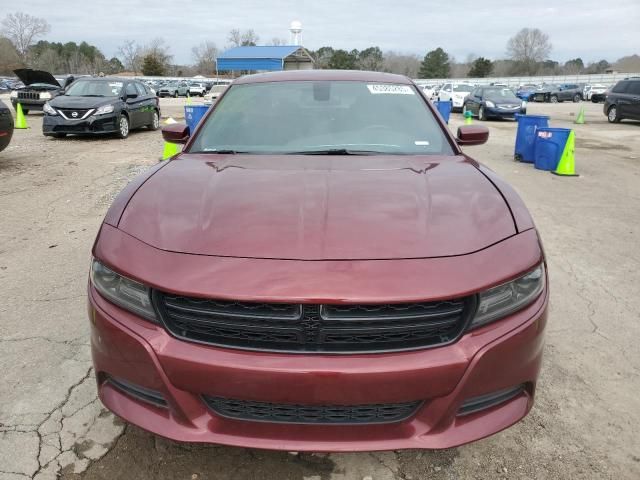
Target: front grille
[69, 113]
[312, 414]
[29, 95]
[314, 328]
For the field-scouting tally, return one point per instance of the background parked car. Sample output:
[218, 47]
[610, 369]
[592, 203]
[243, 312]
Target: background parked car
[493, 102]
[174, 89]
[197, 89]
[589, 90]
[100, 106]
[623, 101]
[39, 87]
[558, 93]
[524, 92]
[429, 91]
[456, 92]
[6, 126]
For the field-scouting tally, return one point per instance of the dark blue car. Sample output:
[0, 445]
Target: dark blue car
[493, 102]
[524, 92]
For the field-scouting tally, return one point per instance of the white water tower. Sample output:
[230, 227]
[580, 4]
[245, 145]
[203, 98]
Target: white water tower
[296, 32]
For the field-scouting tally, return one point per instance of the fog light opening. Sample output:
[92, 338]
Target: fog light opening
[483, 402]
[140, 393]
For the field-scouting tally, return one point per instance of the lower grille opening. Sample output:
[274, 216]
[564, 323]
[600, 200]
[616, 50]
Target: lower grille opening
[311, 414]
[138, 392]
[482, 402]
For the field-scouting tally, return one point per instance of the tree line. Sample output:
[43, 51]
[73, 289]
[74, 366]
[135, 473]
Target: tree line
[527, 53]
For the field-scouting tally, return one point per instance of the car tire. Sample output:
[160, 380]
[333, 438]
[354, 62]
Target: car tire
[155, 122]
[553, 99]
[612, 114]
[175, 94]
[577, 98]
[25, 111]
[481, 113]
[123, 127]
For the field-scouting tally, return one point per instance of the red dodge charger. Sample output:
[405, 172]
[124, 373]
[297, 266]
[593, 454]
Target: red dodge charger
[322, 268]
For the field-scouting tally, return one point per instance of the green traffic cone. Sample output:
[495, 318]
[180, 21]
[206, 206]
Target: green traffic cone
[566, 165]
[580, 119]
[170, 149]
[21, 121]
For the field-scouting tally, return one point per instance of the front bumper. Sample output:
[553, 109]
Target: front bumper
[497, 112]
[102, 124]
[493, 358]
[28, 104]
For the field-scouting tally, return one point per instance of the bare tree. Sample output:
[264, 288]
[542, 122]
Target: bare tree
[242, 39]
[131, 54]
[9, 57]
[205, 56]
[403, 64]
[275, 41]
[528, 48]
[22, 29]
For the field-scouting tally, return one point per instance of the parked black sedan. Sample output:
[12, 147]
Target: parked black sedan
[6, 126]
[100, 106]
[493, 102]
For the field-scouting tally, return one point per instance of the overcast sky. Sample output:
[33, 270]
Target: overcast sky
[590, 29]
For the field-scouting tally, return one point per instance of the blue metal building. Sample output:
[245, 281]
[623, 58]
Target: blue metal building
[265, 58]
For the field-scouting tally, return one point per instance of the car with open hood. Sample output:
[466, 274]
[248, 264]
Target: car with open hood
[494, 102]
[321, 268]
[39, 87]
[101, 105]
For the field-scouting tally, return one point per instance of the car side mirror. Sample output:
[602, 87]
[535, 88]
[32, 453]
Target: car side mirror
[176, 133]
[472, 135]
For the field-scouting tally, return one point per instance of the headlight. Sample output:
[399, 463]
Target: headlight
[45, 96]
[13, 94]
[126, 293]
[524, 103]
[490, 104]
[48, 109]
[104, 109]
[500, 301]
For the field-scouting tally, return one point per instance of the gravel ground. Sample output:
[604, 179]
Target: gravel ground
[53, 194]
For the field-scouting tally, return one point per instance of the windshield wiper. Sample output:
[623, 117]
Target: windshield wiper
[337, 151]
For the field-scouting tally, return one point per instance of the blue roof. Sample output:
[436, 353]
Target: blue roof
[279, 52]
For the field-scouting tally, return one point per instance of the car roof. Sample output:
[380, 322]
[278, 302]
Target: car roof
[324, 75]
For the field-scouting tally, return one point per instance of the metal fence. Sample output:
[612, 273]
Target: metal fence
[600, 78]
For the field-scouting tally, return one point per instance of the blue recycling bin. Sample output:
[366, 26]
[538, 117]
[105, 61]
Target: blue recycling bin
[444, 108]
[193, 114]
[549, 145]
[526, 136]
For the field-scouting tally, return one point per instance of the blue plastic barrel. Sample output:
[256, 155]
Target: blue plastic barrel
[444, 108]
[193, 114]
[526, 136]
[549, 145]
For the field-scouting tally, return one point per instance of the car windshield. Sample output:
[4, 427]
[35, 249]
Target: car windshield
[333, 117]
[499, 94]
[95, 88]
[462, 88]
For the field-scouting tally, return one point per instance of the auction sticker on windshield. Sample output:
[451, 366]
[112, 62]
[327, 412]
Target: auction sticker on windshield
[391, 89]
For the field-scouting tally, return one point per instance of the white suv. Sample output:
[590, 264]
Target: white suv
[456, 93]
[197, 89]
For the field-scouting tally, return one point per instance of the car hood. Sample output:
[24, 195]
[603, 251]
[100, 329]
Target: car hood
[318, 208]
[67, 101]
[29, 76]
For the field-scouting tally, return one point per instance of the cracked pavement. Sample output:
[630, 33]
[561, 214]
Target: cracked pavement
[53, 194]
